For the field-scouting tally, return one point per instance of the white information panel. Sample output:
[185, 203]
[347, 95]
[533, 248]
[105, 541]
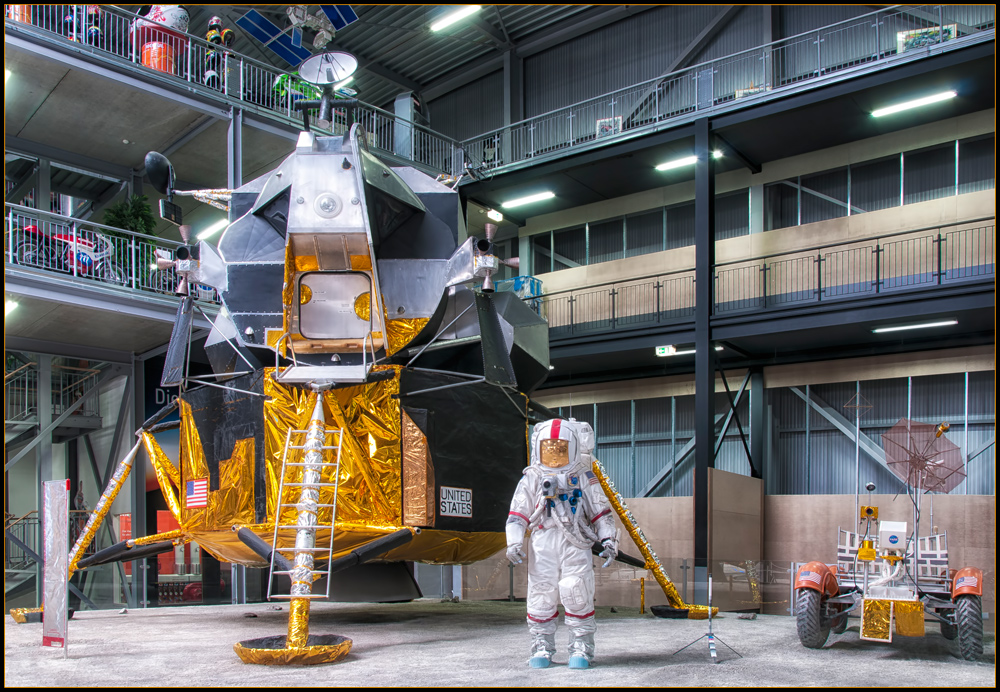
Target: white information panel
[55, 570]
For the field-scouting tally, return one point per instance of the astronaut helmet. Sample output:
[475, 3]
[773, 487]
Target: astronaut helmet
[555, 445]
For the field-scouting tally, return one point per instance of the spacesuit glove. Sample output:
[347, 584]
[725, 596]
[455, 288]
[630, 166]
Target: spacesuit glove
[610, 551]
[515, 554]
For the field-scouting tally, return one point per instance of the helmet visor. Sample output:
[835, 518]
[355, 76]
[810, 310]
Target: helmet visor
[555, 453]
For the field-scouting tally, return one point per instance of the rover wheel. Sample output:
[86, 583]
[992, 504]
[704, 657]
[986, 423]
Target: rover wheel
[970, 626]
[112, 273]
[809, 624]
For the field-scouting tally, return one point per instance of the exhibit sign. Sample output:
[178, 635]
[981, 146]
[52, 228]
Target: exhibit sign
[55, 583]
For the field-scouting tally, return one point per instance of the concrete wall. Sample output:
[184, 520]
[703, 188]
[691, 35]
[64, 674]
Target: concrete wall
[796, 528]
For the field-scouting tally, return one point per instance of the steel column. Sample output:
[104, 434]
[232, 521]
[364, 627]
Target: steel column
[235, 142]
[139, 593]
[704, 406]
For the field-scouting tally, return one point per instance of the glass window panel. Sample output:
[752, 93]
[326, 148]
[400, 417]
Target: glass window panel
[929, 174]
[976, 164]
[644, 233]
[732, 214]
[570, 248]
[824, 195]
[781, 208]
[606, 241]
[875, 185]
[541, 253]
[680, 226]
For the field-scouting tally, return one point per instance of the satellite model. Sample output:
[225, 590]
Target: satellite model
[367, 401]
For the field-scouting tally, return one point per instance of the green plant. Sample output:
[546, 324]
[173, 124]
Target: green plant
[133, 214]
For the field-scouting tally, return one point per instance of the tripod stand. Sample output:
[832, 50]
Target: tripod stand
[709, 635]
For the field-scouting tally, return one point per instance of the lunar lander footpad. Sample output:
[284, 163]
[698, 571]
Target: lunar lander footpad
[319, 648]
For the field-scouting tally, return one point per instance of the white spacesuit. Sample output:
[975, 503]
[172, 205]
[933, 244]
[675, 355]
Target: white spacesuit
[561, 500]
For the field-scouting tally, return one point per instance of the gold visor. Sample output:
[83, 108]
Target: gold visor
[555, 453]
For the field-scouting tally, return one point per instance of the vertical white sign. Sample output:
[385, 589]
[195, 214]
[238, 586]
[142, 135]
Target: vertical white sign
[55, 569]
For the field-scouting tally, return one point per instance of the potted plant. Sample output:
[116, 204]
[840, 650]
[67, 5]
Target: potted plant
[133, 214]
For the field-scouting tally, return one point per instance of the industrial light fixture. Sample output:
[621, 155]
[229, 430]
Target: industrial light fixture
[8, 307]
[882, 330]
[677, 163]
[686, 161]
[213, 229]
[494, 215]
[943, 96]
[455, 16]
[528, 200]
[6, 76]
[663, 351]
[341, 84]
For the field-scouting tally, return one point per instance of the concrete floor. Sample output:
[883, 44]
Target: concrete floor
[429, 643]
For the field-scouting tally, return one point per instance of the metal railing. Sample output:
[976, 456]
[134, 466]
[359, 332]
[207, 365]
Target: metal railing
[20, 394]
[90, 252]
[212, 70]
[874, 38]
[922, 259]
[26, 529]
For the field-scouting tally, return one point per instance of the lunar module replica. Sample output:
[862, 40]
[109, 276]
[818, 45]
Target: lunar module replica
[368, 401]
[890, 576]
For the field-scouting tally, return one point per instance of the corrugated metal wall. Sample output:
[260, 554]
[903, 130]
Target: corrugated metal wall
[616, 56]
[809, 454]
[469, 110]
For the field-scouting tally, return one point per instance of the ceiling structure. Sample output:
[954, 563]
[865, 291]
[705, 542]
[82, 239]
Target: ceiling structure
[87, 119]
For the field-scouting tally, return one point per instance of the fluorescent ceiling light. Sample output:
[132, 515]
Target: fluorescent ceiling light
[687, 161]
[6, 76]
[213, 229]
[664, 351]
[344, 82]
[882, 330]
[454, 17]
[9, 306]
[494, 215]
[716, 153]
[528, 200]
[914, 104]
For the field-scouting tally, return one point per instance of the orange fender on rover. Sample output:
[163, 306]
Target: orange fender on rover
[967, 581]
[817, 576]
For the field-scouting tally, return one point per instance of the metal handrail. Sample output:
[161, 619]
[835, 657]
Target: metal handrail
[502, 136]
[769, 256]
[241, 75]
[9, 375]
[928, 258]
[125, 259]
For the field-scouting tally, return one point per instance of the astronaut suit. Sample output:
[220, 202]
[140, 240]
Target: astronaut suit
[561, 500]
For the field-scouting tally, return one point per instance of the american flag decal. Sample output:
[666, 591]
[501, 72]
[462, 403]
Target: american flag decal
[197, 493]
[592, 478]
[814, 577]
[970, 582]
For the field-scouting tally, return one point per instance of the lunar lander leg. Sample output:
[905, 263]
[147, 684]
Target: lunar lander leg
[693, 612]
[299, 647]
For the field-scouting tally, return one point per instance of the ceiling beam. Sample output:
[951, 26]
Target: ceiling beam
[22, 186]
[566, 31]
[488, 30]
[38, 150]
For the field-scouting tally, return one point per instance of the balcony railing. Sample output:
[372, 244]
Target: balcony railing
[878, 39]
[90, 252]
[923, 259]
[213, 71]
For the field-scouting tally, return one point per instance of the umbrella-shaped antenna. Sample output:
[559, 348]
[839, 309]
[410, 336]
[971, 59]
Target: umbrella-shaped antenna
[920, 455]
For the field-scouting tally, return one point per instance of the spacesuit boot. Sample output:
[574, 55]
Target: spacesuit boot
[581, 644]
[543, 646]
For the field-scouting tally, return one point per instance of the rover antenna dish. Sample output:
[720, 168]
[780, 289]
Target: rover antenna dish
[922, 457]
[328, 68]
